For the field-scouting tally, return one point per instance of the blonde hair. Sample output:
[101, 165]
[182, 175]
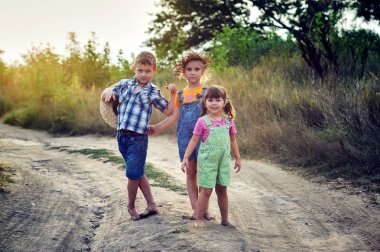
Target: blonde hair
[145, 58]
[216, 91]
[190, 56]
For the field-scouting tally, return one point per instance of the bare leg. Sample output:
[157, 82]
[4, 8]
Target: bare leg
[221, 192]
[145, 189]
[133, 185]
[192, 186]
[203, 200]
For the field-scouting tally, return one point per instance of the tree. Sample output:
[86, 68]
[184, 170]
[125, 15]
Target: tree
[183, 24]
[367, 9]
[311, 23]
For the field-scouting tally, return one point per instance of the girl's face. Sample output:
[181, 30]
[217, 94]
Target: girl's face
[193, 72]
[215, 106]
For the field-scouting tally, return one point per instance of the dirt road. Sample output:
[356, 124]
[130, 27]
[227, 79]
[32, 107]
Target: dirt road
[69, 202]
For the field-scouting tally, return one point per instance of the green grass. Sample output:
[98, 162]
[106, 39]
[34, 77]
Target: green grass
[6, 173]
[180, 230]
[161, 179]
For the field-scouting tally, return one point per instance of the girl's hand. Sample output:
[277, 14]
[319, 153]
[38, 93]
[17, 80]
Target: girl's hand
[172, 88]
[184, 165]
[237, 166]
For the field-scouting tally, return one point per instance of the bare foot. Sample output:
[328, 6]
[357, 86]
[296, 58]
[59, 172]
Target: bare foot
[193, 215]
[148, 212]
[209, 216]
[227, 224]
[134, 215]
[199, 224]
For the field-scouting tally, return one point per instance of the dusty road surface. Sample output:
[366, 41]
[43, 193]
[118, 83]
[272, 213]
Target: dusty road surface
[70, 202]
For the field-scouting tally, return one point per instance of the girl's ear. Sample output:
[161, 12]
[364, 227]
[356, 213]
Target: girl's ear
[225, 103]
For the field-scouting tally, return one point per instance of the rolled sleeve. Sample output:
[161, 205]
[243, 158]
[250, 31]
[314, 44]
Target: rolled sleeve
[160, 102]
[118, 86]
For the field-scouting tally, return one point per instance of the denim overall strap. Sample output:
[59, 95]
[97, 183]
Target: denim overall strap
[204, 90]
[188, 117]
[180, 96]
[214, 158]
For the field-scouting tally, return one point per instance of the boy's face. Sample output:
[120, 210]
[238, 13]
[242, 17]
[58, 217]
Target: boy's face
[144, 73]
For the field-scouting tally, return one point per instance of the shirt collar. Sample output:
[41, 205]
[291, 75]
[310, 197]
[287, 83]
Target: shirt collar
[147, 86]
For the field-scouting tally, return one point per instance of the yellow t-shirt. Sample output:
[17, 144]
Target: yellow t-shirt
[189, 95]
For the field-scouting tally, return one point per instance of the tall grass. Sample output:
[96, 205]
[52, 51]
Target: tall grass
[281, 114]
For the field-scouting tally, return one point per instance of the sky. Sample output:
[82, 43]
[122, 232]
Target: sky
[122, 23]
[28, 23]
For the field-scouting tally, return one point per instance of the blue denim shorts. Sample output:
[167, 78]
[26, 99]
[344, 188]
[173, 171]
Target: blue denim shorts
[134, 150]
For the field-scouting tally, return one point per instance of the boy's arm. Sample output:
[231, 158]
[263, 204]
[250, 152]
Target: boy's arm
[236, 153]
[108, 94]
[172, 112]
[169, 109]
[190, 148]
[173, 95]
[166, 123]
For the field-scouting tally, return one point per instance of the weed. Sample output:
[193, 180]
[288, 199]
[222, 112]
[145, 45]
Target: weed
[6, 173]
[160, 178]
[180, 230]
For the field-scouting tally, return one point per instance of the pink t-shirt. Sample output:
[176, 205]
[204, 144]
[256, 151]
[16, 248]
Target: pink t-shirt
[203, 131]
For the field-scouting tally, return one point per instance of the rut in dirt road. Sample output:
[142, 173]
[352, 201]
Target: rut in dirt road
[65, 202]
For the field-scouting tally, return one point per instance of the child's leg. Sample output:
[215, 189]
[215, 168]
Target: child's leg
[203, 200]
[221, 192]
[133, 185]
[192, 186]
[145, 189]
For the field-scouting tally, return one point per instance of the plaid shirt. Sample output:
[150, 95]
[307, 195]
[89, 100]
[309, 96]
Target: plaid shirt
[135, 110]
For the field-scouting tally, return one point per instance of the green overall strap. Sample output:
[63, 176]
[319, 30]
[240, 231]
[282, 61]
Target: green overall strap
[207, 120]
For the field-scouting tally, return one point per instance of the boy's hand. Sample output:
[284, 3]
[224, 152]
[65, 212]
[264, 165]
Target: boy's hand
[151, 130]
[184, 165]
[237, 166]
[172, 88]
[108, 95]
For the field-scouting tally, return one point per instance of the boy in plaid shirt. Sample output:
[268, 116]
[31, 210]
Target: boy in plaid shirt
[136, 97]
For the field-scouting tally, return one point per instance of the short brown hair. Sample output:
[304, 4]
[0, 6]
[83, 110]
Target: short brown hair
[190, 56]
[145, 58]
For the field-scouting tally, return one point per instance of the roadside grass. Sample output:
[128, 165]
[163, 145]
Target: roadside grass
[160, 178]
[181, 230]
[6, 173]
[283, 115]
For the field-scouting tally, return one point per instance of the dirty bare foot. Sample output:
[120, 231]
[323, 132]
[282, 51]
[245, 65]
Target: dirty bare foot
[190, 216]
[227, 224]
[199, 224]
[193, 215]
[209, 216]
[134, 215]
[148, 212]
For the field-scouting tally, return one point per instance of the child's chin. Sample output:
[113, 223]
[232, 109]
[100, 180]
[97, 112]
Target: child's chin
[143, 82]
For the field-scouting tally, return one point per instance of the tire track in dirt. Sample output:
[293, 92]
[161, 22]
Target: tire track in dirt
[303, 217]
[64, 202]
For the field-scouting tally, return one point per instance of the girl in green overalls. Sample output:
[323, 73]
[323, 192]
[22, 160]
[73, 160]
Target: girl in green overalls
[218, 133]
